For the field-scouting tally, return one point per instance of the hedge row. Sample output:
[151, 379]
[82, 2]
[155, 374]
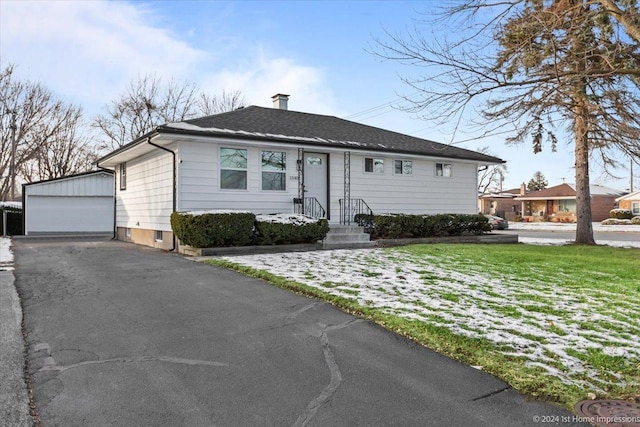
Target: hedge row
[209, 230]
[395, 226]
[620, 214]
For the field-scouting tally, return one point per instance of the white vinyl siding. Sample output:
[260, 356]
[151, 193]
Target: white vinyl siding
[419, 193]
[147, 202]
[199, 186]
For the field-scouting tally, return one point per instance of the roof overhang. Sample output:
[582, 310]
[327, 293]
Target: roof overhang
[546, 198]
[165, 136]
[135, 149]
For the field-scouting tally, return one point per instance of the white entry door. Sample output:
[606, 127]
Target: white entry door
[315, 177]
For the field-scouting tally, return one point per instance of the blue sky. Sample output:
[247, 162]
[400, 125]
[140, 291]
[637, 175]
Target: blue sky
[87, 52]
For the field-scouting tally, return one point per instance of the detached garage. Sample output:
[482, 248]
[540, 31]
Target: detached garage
[82, 203]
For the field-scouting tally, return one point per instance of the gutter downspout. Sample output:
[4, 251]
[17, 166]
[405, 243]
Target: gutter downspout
[175, 190]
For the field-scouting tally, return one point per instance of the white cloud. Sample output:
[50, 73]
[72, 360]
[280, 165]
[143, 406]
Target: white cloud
[87, 51]
[262, 75]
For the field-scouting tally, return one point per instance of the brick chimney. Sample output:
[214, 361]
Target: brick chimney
[523, 189]
[280, 101]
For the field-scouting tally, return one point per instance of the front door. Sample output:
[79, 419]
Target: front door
[315, 177]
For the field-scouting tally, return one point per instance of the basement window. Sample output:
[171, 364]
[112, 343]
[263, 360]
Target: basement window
[127, 232]
[158, 235]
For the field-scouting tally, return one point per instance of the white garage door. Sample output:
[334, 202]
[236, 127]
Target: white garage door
[69, 214]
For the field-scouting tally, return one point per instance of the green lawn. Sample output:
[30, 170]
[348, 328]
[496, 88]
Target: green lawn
[560, 323]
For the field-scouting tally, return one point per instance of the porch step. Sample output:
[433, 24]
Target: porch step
[347, 237]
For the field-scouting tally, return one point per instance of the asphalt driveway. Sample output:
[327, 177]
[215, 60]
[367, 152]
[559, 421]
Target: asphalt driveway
[123, 335]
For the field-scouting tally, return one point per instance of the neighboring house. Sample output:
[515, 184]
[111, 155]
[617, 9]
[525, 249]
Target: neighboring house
[272, 160]
[558, 203]
[630, 201]
[502, 204]
[82, 203]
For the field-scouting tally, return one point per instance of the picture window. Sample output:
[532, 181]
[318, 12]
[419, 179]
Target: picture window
[274, 170]
[233, 169]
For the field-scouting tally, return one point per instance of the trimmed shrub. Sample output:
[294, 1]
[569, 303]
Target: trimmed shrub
[395, 226]
[620, 214]
[635, 220]
[212, 229]
[614, 221]
[284, 229]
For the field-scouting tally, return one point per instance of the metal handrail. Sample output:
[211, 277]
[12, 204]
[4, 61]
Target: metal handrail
[309, 206]
[356, 206]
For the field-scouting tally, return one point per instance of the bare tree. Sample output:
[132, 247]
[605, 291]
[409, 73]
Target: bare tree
[538, 182]
[150, 102]
[67, 152]
[490, 178]
[227, 101]
[30, 118]
[529, 65]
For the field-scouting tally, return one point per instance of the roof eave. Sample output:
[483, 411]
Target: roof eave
[489, 160]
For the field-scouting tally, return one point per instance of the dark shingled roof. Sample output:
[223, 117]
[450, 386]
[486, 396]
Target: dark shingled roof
[313, 129]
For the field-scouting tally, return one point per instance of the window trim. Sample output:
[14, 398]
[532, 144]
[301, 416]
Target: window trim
[637, 205]
[282, 172]
[373, 166]
[245, 170]
[157, 233]
[123, 176]
[127, 232]
[402, 167]
[443, 169]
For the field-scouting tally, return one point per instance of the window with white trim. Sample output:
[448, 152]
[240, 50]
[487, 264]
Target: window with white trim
[158, 235]
[372, 165]
[635, 208]
[444, 169]
[233, 169]
[123, 176]
[127, 232]
[403, 167]
[274, 170]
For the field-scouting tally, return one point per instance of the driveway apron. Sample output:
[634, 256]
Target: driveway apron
[123, 335]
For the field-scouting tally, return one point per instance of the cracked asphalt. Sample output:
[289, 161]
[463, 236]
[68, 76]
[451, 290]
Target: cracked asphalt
[124, 335]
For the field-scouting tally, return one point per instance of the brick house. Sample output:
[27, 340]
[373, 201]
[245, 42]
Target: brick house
[502, 204]
[630, 201]
[558, 204]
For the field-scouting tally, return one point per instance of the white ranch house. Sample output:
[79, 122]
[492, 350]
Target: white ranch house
[272, 160]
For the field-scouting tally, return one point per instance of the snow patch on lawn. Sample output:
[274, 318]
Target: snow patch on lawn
[557, 226]
[542, 323]
[6, 255]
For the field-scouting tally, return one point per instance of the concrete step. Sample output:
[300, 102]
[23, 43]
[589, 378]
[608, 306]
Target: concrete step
[344, 237]
[347, 237]
[345, 229]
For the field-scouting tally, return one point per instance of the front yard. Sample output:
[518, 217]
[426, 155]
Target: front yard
[560, 323]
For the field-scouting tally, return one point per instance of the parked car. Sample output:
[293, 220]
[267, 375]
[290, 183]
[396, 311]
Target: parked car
[498, 223]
